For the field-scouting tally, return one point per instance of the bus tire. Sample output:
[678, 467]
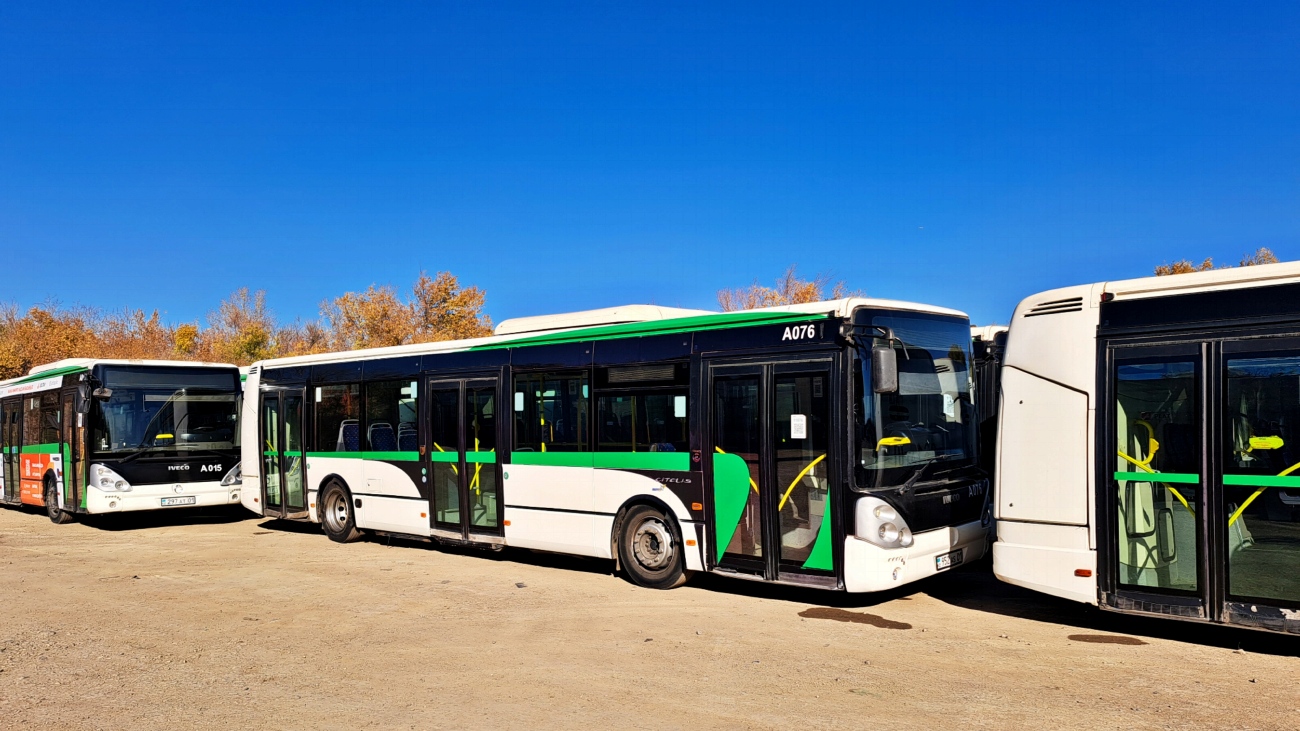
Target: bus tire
[58, 515]
[651, 550]
[336, 516]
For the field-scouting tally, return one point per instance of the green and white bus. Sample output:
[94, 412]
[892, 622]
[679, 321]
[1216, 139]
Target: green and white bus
[829, 445]
[106, 436]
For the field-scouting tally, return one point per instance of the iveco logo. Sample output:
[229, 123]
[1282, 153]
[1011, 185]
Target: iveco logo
[178, 467]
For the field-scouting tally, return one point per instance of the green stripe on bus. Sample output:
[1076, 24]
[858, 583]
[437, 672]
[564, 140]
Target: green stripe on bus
[698, 323]
[1174, 477]
[379, 456]
[554, 459]
[444, 457]
[50, 374]
[481, 457]
[667, 461]
[1262, 481]
[40, 449]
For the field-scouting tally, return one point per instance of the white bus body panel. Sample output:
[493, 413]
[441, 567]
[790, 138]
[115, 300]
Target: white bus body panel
[250, 493]
[1045, 557]
[868, 567]
[148, 497]
[1045, 489]
[1044, 434]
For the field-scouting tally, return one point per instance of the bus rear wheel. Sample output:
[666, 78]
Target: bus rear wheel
[651, 550]
[58, 515]
[336, 516]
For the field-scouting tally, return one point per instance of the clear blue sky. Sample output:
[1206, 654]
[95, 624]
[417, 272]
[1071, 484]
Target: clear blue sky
[573, 155]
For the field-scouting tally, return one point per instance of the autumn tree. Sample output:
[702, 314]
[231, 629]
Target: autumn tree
[241, 330]
[438, 309]
[1262, 255]
[789, 290]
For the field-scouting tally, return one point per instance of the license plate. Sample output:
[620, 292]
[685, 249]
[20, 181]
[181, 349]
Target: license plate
[189, 500]
[947, 560]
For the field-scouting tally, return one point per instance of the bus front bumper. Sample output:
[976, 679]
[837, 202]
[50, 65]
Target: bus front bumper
[868, 567]
[161, 497]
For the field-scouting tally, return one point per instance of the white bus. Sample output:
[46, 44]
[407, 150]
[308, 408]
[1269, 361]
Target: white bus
[1149, 446]
[827, 445]
[106, 436]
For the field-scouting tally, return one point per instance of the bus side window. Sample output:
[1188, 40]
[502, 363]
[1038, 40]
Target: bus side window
[551, 412]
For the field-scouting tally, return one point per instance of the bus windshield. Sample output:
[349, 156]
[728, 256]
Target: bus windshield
[926, 427]
[169, 410]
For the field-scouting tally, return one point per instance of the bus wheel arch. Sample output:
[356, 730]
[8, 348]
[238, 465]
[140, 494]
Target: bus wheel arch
[646, 542]
[338, 519]
[57, 515]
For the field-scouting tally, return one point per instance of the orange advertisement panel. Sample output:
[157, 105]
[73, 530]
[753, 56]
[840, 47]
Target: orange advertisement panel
[32, 471]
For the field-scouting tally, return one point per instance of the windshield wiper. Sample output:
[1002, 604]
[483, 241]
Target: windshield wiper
[922, 468]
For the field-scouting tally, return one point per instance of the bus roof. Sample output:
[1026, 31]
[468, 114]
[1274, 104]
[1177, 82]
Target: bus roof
[76, 365]
[641, 327]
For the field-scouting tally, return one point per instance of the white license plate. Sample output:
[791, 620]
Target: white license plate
[947, 560]
[189, 500]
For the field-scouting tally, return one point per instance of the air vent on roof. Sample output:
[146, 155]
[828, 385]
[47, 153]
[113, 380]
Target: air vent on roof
[1056, 307]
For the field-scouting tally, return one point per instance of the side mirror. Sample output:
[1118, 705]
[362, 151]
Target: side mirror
[103, 394]
[884, 370]
[83, 398]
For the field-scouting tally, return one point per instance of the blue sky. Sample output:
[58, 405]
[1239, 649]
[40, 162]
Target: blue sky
[566, 156]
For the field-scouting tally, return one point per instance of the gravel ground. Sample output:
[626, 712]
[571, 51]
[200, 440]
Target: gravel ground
[223, 620]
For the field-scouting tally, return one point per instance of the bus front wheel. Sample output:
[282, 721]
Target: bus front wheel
[650, 549]
[336, 516]
[58, 515]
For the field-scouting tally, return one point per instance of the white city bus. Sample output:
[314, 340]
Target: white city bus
[1149, 446]
[827, 445]
[106, 436]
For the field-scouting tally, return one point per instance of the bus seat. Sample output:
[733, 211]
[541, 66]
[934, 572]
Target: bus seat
[407, 437]
[381, 437]
[349, 436]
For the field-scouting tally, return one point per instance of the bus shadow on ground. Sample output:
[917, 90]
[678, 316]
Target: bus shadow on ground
[976, 588]
[147, 519]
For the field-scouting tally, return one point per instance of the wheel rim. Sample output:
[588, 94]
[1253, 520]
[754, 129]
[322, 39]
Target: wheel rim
[51, 502]
[652, 544]
[336, 512]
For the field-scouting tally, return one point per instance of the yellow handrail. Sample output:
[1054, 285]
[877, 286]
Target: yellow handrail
[751, 479]
[1177, 494]
[1237, 514]
[798, 477]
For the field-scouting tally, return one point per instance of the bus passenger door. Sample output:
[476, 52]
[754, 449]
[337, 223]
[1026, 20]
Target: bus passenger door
[284, 492]
[1156, 477]
[769, 431]
[11, 437]
[72, 447]
[462, 458]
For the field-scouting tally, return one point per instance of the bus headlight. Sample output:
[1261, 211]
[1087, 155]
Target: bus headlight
[107, 480]
[879, 523]
[235, 476]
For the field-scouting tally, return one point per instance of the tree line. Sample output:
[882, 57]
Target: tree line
[242, 329]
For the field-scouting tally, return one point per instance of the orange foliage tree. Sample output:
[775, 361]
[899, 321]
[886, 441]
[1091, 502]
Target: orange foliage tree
[1262, 255]
[242, 329]
[789, 290]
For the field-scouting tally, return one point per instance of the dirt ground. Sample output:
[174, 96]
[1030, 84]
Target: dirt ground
[224, 620]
